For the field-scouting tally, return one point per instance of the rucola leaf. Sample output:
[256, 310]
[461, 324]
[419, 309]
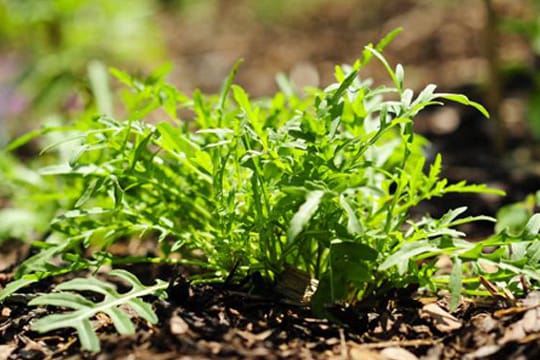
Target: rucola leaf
[455, 282]
[86, 309]
[304, 213]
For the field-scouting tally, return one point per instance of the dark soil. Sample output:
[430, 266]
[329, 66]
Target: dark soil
[213, 321]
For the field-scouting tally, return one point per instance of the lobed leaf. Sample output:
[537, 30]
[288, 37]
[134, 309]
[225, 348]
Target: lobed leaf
[85, 309]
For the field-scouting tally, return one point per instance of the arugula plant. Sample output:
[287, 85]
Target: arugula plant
[325, 184]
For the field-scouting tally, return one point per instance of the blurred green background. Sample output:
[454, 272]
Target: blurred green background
[46, 46]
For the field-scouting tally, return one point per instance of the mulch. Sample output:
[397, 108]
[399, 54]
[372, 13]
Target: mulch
[208, 321]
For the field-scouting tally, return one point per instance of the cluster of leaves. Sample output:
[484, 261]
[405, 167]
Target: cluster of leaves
[326, 184]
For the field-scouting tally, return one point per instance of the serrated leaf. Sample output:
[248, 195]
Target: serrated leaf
[122, 322]
[451, 215]
[85, 332]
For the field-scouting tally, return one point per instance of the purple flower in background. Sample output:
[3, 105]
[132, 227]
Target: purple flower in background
[11, 103]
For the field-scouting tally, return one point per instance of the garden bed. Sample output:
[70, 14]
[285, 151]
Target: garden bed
[213, 321]
[232, 206]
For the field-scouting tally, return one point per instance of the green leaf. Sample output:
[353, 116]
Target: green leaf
[462, 99]
[353, 225]
[512, 219]
[407, 251]
[304, 213]
[99, 82]
[352, 252]
[13, 286]
[250, 185]
[387, 66]
[171, 137]
[68, 300]
[29, 136]
[532, 227]
[122, 76]
[227, 85]
[388, 38]
[343, 87]
[85, 309]
[530, 273]
[455, 284]
[285, 85]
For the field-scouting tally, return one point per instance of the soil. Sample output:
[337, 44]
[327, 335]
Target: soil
[225, 321]
[441, 43]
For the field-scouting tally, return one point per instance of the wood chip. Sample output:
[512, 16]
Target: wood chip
[178, 326]
[485, 322]
[531, 321]
[514, 332]
[440, 318]
[518, 331]
[499, 314]
[359, 353]
[483, 352]
[401, 343]
[397, 353]
[6, 312]
[6, 350]
[253, 338]
[533, 299]
[296, 285]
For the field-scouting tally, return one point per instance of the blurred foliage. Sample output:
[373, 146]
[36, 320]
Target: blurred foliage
[28, 216]
[267, 11]
[47, 45]
[513, 217]
[529, 29]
